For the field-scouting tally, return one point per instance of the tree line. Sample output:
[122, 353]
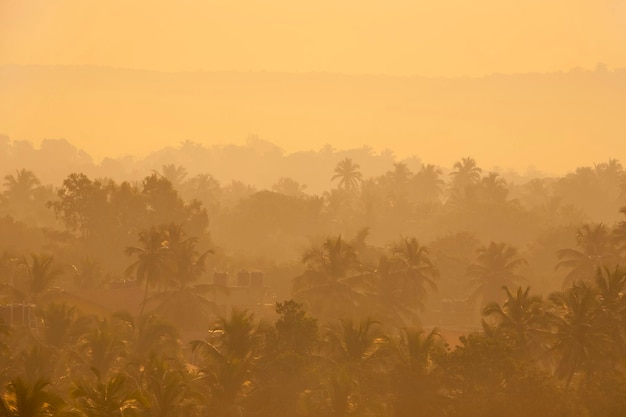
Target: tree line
[350, 340]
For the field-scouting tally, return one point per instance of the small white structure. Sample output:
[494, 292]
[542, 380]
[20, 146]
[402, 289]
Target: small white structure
[18, 314]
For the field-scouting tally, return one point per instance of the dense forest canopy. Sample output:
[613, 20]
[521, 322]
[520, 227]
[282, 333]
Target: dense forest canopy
[138, 287]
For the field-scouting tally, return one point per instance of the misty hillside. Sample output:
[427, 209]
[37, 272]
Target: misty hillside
[111, 112]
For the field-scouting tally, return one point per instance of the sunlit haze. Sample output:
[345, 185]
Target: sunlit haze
[305, 104]
[431, 38]
[342, 208]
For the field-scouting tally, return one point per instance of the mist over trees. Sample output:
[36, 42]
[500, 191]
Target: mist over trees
[335, 283]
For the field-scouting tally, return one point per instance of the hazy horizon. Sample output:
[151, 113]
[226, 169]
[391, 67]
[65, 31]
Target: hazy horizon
[554, 121]
[420, 78]
[449, 38]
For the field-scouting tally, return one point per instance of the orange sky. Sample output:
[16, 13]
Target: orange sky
[400, 37]
[438, 38]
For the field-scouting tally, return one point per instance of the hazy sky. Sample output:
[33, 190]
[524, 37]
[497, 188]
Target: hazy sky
[438, 38]
[401, 37]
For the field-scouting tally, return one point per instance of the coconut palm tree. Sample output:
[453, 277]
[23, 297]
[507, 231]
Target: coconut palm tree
[494, 188]
[396, 185]
[330, 282]
[521, 316]
[103, 348]
[465, 174]
[204, 188]
[20, 187]
[38, 275]
[581, 344]
[21, 399]
[611, 286]
[167, 389]
[112, 397]
[399, 286]
[386, 296]
[146, 336]
[174, 174]
[348, 174]
[352, 384]
[290, 187]
[151, 264]
[229, 356]
[63, 326]
[182, 302]
[619, 234]
[416, 384]
[428, 183]
[187, 264]
[595, 249]
[496, 266]
[415, 270]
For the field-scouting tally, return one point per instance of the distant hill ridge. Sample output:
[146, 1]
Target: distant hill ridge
[555, 121]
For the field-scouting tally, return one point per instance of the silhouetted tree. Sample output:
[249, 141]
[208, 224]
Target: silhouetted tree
[330, 281]
[595, 248]
[496, 266]
[348, 174]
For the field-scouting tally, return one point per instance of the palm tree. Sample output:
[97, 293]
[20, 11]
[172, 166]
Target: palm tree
[5, 352]
[330, 281]
[167, 389]
[417, 385]
[63, 326]
[103, 348]
[496, 266]
[146, 336]
[386, 295]
[400, 283]
[113, 397]
[39, 274]
[580, 344]
[348, 174]
[396, 185]
[182, 302]
[151, 264]
[520, 317]
[187, 264]
[229, 357]
[619, 233]
[290, 187]
[22, 399]
[611, 286]
[174, 174]
[204, 188]
[400, 175]
[353, 342]
[494, 188]
[595, 249]
[20, 187]
[355, 353]
[610, 174]
[416, 271]
[428, 183]
[465, 174]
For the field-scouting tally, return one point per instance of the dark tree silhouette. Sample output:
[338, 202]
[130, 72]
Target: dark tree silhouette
[595, 249]
[466, 173]
[496, 266]
[151, 265]
[21, 399]
[348, 174]
[521, 317]
[330, 283]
